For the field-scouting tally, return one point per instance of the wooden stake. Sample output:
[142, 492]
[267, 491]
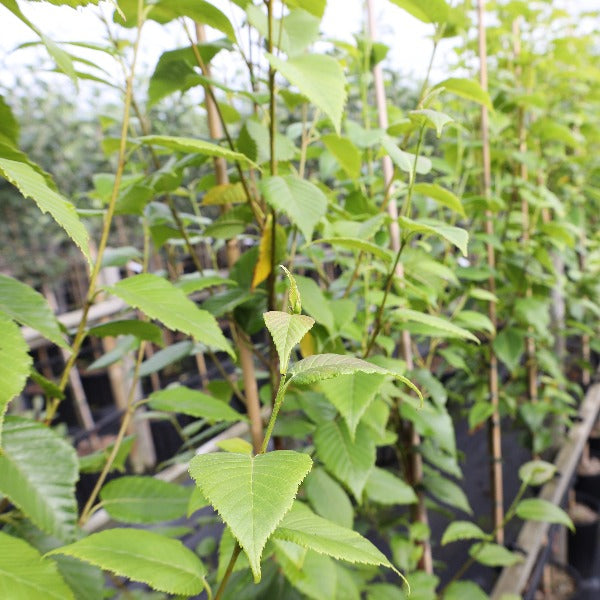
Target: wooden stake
[495, 435]
[416, 464]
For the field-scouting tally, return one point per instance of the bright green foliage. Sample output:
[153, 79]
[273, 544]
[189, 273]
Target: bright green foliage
[328, 498]
[320, 78]
[32, 185]
[455, 235]
[466, 88]
[352, 394]
[358, 244]
[287, 331]
[384, 487]
[446, 491]
[314, 301]
[251, 493]
[459, 590]
[345, 153]
[28, 307]
[536, 472]
[137, 499]
[435, 119]
[38, 471]
[164, 564]
[161, 300]
[494, 555]
[196, 502]
[438, 326]
[441, 196]
[302, 201]
[349, 460]
[537, 509]
[15, 364]
[316, 576]
[24, 574]
[94, 462]
[180, 399]
[462, 530]
[432, 11]
[142, 330]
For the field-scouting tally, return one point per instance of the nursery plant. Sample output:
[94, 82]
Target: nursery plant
[355, 274]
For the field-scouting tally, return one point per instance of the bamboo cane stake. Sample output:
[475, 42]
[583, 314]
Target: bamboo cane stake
[233, 253]
[495, 436]
[416, 466]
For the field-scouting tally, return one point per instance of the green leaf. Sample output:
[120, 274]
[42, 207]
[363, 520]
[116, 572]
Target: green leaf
[328, 498]
[384, 487]
[475, 321]
[180, 399]
[38, 471]
[320, 78]
[236, 445]
[32, 185]
[197, 501]
[443, 327]
[140, 329]
[441, 196]
[315, 578]
[533, 311]
[287, 331]
[251, 493]
[460, 590]
[432, 11]
[466, 88]
[357, 244]
[302, 201]
[294, 298]
[345, 152]
[94, 462]
[494, 555]
[314, 301]
[352, 394]
[301, 526]
[457, 236]
[161, 300]
[165, 357]
[164, 564]
[509, 346]
[349, 460]
[24, 574]
[536, 509]
[405, 161]
[536, 472]
[194, 146]
[435, 119]
[325, 366]
[446, 491]
[15, 365]
[462, 530]
[138, 499]
[9, 126]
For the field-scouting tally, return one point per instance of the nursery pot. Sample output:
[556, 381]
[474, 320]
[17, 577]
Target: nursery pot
[583, 543]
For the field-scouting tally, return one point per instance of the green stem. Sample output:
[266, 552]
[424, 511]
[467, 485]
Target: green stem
[276, 406]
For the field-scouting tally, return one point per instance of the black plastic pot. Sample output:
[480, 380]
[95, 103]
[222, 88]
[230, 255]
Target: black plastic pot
[584, 554]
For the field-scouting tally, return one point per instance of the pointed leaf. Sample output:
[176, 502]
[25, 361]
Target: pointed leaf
[163, 563]
[38, 471]
[441, 196]
[459, 590]
[287, 331]
[137, 499]
[405, 161]
[349, 460]
[345, 152]
[443, 326]
[431, 11]
[536, 472]
[161, 300]
[537, 509]
[494, 555]
[320, 78]
[384, 487]
[435, 119]
[357, 244]
[455, 235]
[15, 364]
[466, 88]
[302, 201]
[446, 491]
[143, 330]
[328, 498]
[509, 346]
[314, 301]
[251, 493]
[225, 193]
[462, 530]
[183, 400]
[24, 574]
[32, 185]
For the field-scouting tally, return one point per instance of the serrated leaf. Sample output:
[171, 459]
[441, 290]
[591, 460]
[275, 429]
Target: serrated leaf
[536, 472]
[537, 509]
[38, 471]
[352, 394]
[444, 327]
[143, 330]
[494, 555]
[357, 244]
[28, 307]
[320, 78]
[446, 490]
[457, 236]
[462, 530]
[251, 493]
[287, 331]
[24, 574]
[138, 499]
[181, 399]
[435, 119]
[197, 501]
[345, 152]
[164, 564]
[194, 146]
[441, 196]
[161, 300]
[349, 460]
[317, 577]
[225, 193]
[301, 526]
[15, 364]
[328, 498]
[384, 487]
[32, 185]
[432, 11]
[302, 201]
[466, 88]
